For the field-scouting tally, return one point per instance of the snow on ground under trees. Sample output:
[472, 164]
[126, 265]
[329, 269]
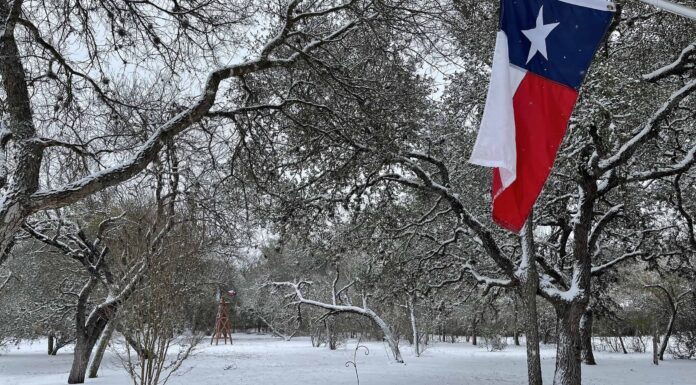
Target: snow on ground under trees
[264, 360]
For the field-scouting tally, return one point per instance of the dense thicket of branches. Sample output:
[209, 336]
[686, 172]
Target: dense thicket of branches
[312, 155]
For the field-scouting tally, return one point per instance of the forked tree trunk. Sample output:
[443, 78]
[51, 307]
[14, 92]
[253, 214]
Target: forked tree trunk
[101, 348]
[568, 368]
[84, 344]
[586, 337]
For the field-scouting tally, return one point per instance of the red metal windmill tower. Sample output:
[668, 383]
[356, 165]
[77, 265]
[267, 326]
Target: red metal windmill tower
[223, 325]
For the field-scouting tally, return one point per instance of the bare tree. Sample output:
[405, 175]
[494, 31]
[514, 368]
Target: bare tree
[672, 302]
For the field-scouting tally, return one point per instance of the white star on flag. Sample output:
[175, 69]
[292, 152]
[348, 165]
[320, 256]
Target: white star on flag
[538, 34]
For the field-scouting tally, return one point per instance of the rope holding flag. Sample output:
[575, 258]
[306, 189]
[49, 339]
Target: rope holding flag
[542, 53]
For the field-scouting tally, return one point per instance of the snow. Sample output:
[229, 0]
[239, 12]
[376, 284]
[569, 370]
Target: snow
[255, 359]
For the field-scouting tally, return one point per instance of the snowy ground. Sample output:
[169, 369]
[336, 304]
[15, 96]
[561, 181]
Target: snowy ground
[263, 360]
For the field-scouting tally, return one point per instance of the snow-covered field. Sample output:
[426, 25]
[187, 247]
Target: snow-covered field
[263, 360]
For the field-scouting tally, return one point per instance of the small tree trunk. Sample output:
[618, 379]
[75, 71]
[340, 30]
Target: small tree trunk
[568, 368]
[330, 335]
[473, 331]
[586, 337]
[623, 347]
[414, 327]
[668, 333]
[515, 329]
[101, 348]
[654, 347]
[50, 344]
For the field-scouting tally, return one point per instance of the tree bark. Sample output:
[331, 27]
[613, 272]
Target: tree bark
[568, 368]
[87, 332]
[586, 337]
[528, 295]
[101, 348]
[84, 344]
[24, 178]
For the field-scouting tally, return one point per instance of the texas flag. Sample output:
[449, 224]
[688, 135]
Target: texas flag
[542, 53]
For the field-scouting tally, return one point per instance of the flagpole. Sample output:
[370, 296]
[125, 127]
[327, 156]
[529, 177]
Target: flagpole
[676, 9]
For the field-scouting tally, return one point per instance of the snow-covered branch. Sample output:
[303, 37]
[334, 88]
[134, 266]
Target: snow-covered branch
[648, 130]
[426, 182]
[683, 165]
[298, 298]
[686, 60]
[691, 234]
[601, 224]
[597, 270]
[148, 151]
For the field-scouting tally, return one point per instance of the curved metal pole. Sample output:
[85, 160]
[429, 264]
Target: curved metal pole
[676, 9]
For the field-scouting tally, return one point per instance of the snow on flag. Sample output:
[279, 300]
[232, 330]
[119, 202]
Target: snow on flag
[542, 53]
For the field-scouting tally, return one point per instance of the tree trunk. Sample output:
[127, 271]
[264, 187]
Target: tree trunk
[623, 347]
[668, 333]
[23, 178]
[84, 344]
[568, 368]
[528, 296]
[532, 334]
[394, 347]
[516, 337]
[473, 332]
[50, 344]
[586, 337]
[87, 332]
[414, 327]
[330, 334]
[388, 336]
[101, 347]
[654, 347]
[56, 347]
